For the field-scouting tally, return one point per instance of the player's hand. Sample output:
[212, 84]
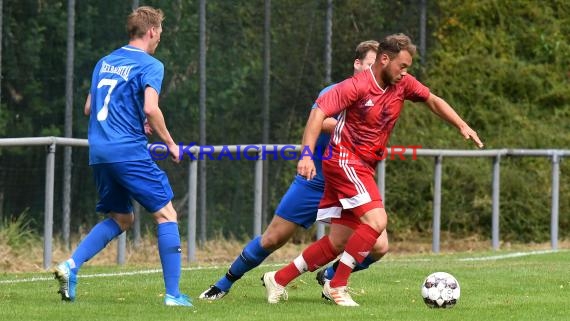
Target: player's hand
[174, 153]
[469, 133]
[306, 168]
[147, 128]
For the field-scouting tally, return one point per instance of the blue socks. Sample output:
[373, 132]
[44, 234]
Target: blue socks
[170, 256]
[251, 256]
[99, 236]
[168, 249]
[329, 272]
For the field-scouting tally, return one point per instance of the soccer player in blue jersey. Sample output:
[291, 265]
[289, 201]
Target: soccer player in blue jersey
[124, 94]
[298, 207]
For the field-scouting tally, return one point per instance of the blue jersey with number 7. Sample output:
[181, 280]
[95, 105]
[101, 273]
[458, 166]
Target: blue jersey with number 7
[116, 124]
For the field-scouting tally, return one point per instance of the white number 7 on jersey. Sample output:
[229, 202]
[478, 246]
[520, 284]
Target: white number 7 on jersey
[102, 114]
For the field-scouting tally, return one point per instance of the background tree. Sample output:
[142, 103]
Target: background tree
[502, 64]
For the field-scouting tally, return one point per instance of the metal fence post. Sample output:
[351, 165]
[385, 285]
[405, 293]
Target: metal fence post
[258, 197]
[554, 209]
[495, 200]
[381, 179]
[555, 156]
[436, 205]
[122, 248]
[48, 205]
[192, 197]
[320, 229]
[137, 239]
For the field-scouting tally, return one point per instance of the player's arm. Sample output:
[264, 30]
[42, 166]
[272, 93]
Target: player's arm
[306, 166]
[329, 124]
[147, 128]
[87, 107]
[330, 103]
[441, 108]
[156, 121]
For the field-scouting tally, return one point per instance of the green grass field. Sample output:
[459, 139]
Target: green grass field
[494, 286]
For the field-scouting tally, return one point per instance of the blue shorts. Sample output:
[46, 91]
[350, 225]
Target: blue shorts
[141, 180]
[300, 203]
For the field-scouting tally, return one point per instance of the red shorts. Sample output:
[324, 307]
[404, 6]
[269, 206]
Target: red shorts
[350, 190]
[347, 219]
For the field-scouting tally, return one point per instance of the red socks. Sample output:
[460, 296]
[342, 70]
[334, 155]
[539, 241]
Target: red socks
[313, 257]
[357, 248]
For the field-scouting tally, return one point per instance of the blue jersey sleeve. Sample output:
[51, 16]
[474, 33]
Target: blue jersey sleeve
[153, 76]
[324, 90]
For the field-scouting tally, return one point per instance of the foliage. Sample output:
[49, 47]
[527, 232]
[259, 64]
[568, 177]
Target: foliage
[498, 64]
[503, 65]
[16, 234]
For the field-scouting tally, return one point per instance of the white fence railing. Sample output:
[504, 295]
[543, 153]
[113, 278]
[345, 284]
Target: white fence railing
[555, 156]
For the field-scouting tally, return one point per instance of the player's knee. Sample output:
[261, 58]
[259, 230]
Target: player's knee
[162, 217]
[338, 243]
[380, 249]
[377, 221]
[272, 241]
[125, 221]
[166, 214]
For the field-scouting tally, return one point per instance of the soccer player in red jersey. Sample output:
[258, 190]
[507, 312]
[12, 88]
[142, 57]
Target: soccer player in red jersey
[298, 207]
[369, 105]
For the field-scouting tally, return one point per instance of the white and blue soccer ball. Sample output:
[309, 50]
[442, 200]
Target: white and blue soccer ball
[440, 290]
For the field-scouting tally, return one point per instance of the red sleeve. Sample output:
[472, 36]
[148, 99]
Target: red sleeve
[341, 96]
[415, 90]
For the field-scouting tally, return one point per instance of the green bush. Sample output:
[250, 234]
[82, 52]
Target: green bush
[16, 233]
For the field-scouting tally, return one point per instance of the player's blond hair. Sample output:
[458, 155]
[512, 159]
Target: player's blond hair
[364, 47]
[142, 19]
[393, 44]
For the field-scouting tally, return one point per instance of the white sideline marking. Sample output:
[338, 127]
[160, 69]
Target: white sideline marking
[152, 271]
[140, 272]
[506, 256]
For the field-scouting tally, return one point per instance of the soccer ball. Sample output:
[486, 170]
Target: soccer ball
[440, 290]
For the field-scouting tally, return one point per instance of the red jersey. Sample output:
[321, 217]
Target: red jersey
[367, 113]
